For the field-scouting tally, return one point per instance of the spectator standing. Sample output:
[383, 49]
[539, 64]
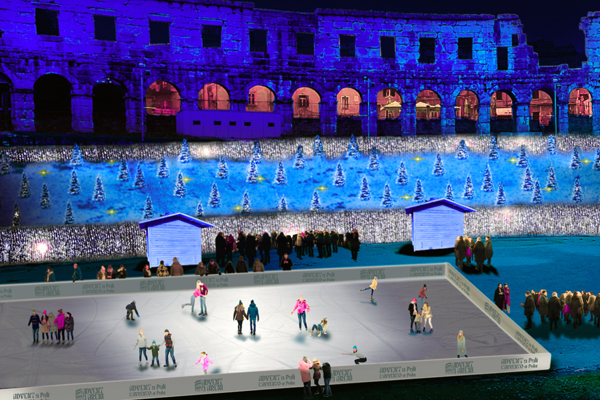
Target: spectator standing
[257, 266]
[327, 242]
[286, 263]
[147, 271]
[529, 307]
[176, 268]
[230, 245]
[111, 273]
[479, 254]
[221, 248]
[241, 265]
[50, 275]
[543, 309]
[460, 251]
[201, 269]
[320, 243]
[310, 244]
[576, 307]
[76, 273]
[250, 248]
[335, 238]
[354, 244]
[327, 379]
[121, 272]
[506, 298]
[162, 270]
[591, 305]
[241, 243]
[298, 244]
[281, 245]
[489, 252]
[213, 268]
[101, 275]
[554, 308]
[304, 366]
[266, 248]
[499, 296]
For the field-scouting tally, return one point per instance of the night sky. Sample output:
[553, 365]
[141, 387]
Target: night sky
[553, 20]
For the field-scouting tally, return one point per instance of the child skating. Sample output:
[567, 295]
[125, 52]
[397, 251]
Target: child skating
[321, 328]
[360, 357]
[373, 287]
[418, 322]
[205, 361]
[155, 348]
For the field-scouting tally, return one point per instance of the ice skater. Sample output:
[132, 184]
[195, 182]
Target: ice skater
[205, 361]
[141, 341]
[200, 292]
[418, 322]
[44, 322]
[239, 313]
[130, 309]
[34, 322]
[69, 327]
[302, 307]
[53, 327]
[60, 326]
[321, 328]
[427, 315]
[413, 310]
[253, 316]
[422, 296]
[373, 287]
[462, 345]
[169, 348]
[155, 348]
[360, 357]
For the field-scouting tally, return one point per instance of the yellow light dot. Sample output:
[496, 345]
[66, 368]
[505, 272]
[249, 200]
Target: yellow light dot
[586, 161]
[406, 197]
[548, 190]
[261, 178]
[322, 188]
[237, 208]
[512, 160]
[43, 173]
[417, 159]
[111, 212]
[187, 179]
[111, 161]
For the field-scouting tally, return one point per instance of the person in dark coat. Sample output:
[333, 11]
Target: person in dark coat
[241, 266]
[176, 268]
[413, 310]
[290, 244]
[274, 240]
[230, 241]
[479, 253]
[460, 251]
[554, 308]
[529, 306]
[122, 272]
[221, 248]
[147, 272]
[310, 244]
[111, 273]
[327, 243]
[354, 244]
[335, 238]
[251, 248]
[320, 244]
[281, 245]
[489, 251]
[213, 268]
[597, 310]
[130, 309]
[76, 273]
[201, 269]
[266, 248]
[585, 296]
[229, 267]
[543, 309]
[499, 296]
[298, 242]
[50, 275]
[286, 263]
[35, 321]
[576, 307]
[347, 241]
[241, 243]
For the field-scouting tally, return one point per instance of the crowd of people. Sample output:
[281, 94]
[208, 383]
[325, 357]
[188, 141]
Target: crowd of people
[466, 247]
[52, 327]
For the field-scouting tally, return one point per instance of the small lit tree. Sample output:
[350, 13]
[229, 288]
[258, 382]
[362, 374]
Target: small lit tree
[74, 187]
[99, 194]
[575, 160]
[199, 210]
[315, 204]
[537, 194]
[299, 158]
[523, 161]
[252, 176]
[318, 147]
[280, 176]
[45, 201]
[352, 148]
[469, 193]
[449, 194]
[4, 165]
[462, 153]
[163, 168]
[257, 152]
[246, 202]
[214, 200]
[25, 191]
[16, 216]
[339, 178]
[374, 160]
[551, 145]
[438, 168]
[148, 211]
[500, 198]
[180, 189]
[527, 181]
[365, 190]
[140, 181]
[387, 201]
[76, 159]
[282, 204]
[402, 177]
[488, 185]
[69, 218]
[419, 193]
[597, 161]
[123, 172]
[222, 169]
[184, 154]
[577, 192]
[552, 183]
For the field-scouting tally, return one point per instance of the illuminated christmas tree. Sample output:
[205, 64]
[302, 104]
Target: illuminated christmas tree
[597, 161]
[140, 181]
[419, 193]
[282, 205]
[4, 165]
[45, 201]
[99, 194]
[163, 168]
[257, 152]
[148, 211]
[493, 149]
[493, 142]
[214, 200]
[246, 202]
[69, 218]
[500, 198]
[199, 210]
[25, 191]
[222, 169]
[551, 145]
[280, 177]
[577, 192]
[438, 169]
[315, 204]
[123, 172]
[387, 201]
[552, 183]
[74, 187]
[449, 194]
[180, 189]
[365, 191]
[402, 177]
[469, 193]
[462, 152]
[352, 148]
[575, 160]
[299, 158]
[184, 153]
[16, 216]
[318, 147]
[537, 194]
[76, 159]
[339, 178]
[488, 185]
[528, 181]
[374, 160]
[252, 176]
[523, 161]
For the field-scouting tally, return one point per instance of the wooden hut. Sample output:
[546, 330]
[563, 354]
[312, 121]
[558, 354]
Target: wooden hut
[174, 235]
[437, 223]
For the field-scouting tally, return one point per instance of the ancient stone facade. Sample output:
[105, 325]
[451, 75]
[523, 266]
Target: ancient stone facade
[426, 61]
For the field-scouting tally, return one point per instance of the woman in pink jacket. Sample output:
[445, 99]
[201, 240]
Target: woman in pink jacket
[201, 292]
[205, 361]
[304, 366]
[302, 308]
[60, 325]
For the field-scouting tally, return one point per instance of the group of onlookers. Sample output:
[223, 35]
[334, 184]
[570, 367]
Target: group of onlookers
[52, 326]
[305, 365]
[110, 273]
[570, 305]
[466, 247]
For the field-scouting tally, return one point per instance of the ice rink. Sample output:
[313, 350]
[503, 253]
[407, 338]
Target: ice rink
[104, 339]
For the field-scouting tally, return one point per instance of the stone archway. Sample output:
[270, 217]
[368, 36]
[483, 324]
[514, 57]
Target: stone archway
[503, 112]
[541, 112]
[466, 112]
[580, 111]
[260, 99]
[52, 104]
[163, 102]
[429, 112]
[306, 119]
[109, 112]
[389, 110]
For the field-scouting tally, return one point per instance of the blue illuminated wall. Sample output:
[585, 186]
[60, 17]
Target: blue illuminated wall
[186, 62]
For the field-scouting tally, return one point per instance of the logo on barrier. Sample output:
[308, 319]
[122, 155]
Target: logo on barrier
[215, 281]
[151, 285]
[276, 380]
[93, 393]
[525, 342]
[47, 291]
[370, 273]
[493, 312]
[318, 277]
[97, 288]
[31, 395]
[518, 363]
[428, 270]
[209, 385]
[6, 294]
[459, 367]
[147, 390]
[342, 375]
[409, 371]
[457, 279]
[266, 279]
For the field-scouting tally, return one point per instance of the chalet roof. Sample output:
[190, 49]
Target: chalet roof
[173, 217]
[436, 203]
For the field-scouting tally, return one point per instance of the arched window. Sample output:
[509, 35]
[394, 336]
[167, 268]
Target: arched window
[108, 104]
[467, 106]
[260, 99]
[348, 100]
[389, 104]
[306, 103]
[501, 105]
[429, 105]
[52, 103]
[162, 98]
[213, 97]
[580, 102]
[541, 107]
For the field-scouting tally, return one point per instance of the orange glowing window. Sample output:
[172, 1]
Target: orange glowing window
[162, 98]
[541, 107]
[467, 106]
[213, 97]
[260, 99]
[501, 105]
[429, 105]
[580, 102]
[348, 103]
[389, 104]
[306, 103]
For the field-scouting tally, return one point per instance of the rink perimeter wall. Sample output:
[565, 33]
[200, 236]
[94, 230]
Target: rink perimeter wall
[533, 358]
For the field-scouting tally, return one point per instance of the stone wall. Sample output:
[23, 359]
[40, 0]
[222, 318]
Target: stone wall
[188, 65]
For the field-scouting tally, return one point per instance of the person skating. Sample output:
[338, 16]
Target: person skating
[499, 296]
[427, 315]
[418, 322]
[76, 273]
[253, 317]
[239, 313]
[176, 268]
[130, 309]
[286, 263]
[412, 310]
[304, 366]
[162, 271]
[372, 286]
[34, 322]
[169, 348]
[200, 293]
[59, 321]
[554, 308]
[302, 307]
[422, 296]
[205, 362]
[141, 341]
[44, 323]
[461, 345]
[321, 327]
[155, 348]
[360, 357]
[316, 367]
[69, 327]
[52, 326]
[529, 307]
